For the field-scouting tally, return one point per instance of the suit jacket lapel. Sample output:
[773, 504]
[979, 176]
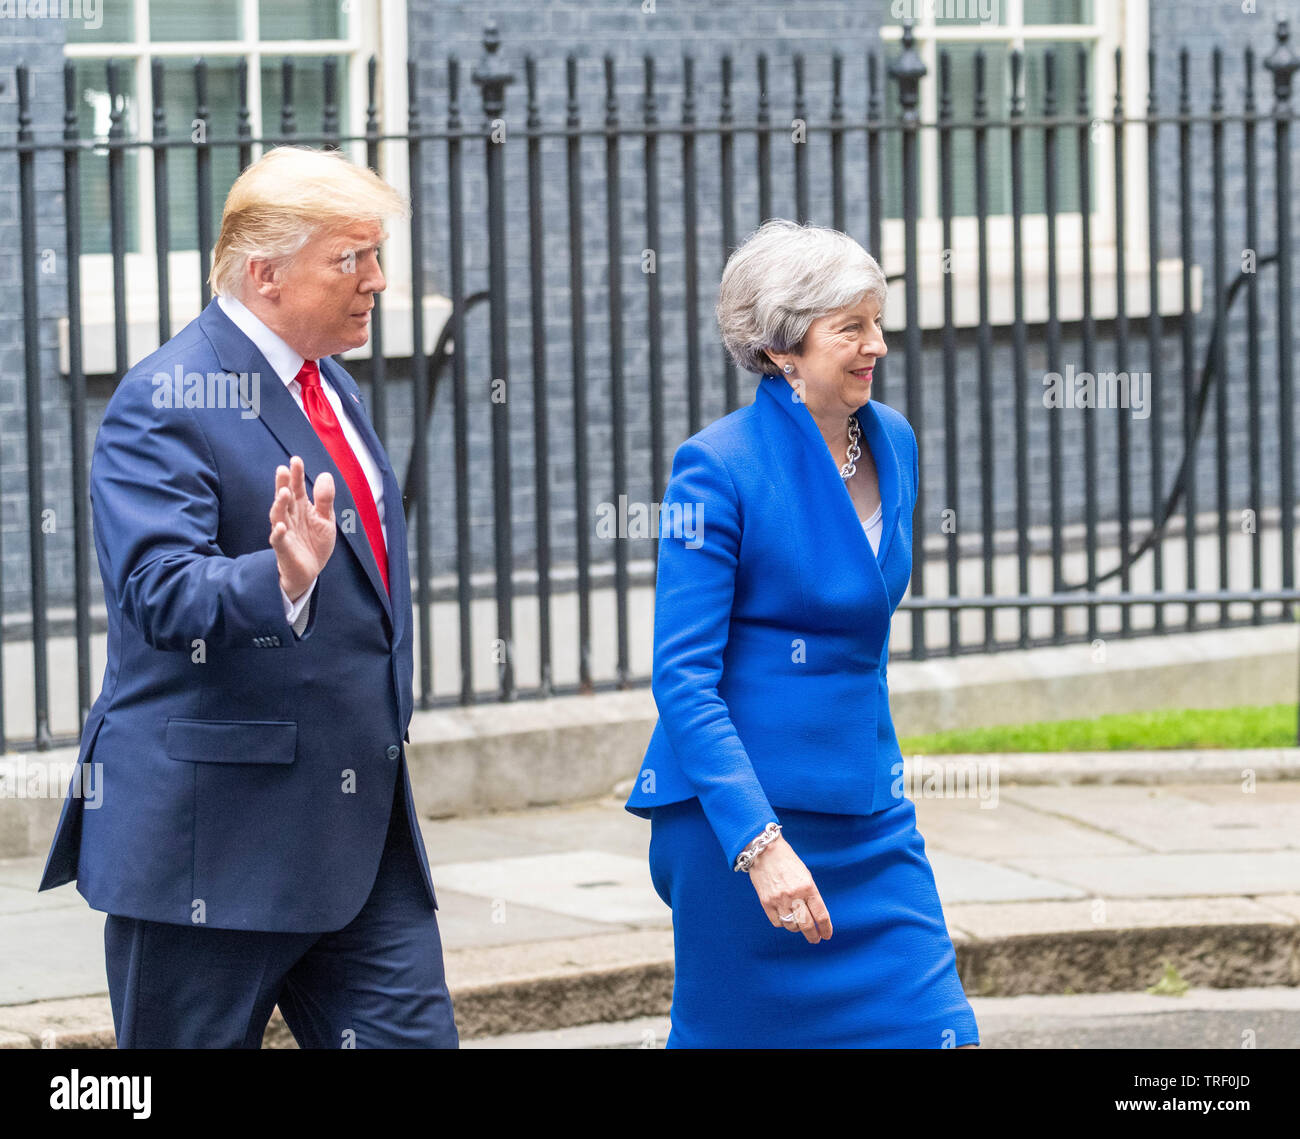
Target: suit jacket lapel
[887, 474]
[286, 421]
[814, 471]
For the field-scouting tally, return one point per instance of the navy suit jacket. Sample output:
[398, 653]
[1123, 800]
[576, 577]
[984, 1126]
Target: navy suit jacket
[247, 775]
[772, 621]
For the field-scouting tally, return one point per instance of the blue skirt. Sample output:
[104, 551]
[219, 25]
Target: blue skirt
[887, 978]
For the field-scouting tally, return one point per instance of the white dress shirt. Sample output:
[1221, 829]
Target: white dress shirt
[287, 364]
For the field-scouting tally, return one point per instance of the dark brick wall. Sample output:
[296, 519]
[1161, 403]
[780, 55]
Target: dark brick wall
[39, 44]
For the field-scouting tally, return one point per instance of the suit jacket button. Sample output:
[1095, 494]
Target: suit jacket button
[393, 751]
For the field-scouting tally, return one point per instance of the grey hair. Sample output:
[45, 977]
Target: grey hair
[783, 277]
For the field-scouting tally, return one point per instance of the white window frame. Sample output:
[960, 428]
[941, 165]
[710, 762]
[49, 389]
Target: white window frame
[1115, 22]
[372, 27]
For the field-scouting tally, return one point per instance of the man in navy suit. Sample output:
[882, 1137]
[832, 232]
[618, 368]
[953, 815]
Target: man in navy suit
[257, 842]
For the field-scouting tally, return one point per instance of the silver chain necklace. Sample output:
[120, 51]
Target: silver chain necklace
[855, 452]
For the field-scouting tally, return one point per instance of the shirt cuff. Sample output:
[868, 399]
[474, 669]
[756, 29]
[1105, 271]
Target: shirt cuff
[295, 612]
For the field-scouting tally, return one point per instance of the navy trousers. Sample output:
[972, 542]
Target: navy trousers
[376, 983]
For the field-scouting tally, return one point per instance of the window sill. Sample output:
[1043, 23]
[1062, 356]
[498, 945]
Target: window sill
[1069, 292]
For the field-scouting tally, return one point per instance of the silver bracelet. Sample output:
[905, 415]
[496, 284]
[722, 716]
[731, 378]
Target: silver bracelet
[745, 859]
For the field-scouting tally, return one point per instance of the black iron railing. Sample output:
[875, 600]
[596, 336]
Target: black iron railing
[633, 142]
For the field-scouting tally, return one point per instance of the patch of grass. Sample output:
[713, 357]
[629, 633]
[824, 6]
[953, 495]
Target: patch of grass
[1171, 983]
[1271, 725]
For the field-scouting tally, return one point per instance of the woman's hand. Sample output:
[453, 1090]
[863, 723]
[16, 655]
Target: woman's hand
[785, 887]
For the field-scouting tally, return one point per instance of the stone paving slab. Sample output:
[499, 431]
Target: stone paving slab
[589, 884]
[961, 879]
[1169, 819]
[474, 839]
[951, 825]
[52, 953]
[472, 919]
[25, 874]
[25, 899]
[601, 825]
[1174, 875]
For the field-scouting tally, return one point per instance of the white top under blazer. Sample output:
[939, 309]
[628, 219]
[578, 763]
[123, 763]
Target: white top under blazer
[873, 527]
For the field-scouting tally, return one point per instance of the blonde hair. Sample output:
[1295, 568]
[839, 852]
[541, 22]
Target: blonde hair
[284, 198]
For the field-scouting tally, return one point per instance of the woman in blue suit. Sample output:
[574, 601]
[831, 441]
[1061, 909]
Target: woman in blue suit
[785, 546]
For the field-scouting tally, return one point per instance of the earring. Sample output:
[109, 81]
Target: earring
[789, 368]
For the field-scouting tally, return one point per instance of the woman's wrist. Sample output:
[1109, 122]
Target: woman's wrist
[745, 860]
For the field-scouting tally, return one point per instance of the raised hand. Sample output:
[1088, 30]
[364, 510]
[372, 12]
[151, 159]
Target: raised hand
[302, 532]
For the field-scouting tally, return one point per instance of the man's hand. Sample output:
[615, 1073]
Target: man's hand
[302, 534]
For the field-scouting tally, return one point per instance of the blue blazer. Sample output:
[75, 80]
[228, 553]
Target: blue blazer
[772, 621]
[247, 775]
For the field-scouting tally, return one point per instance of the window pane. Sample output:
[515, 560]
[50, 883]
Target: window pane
[172, 20]
[997, 144]
[308, 94]
[93, 105]
[182, 176]
[1066, 164]
[301, 19]
[116, 24]
[1058, 11]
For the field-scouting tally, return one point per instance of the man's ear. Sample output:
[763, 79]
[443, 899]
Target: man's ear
[264, 277]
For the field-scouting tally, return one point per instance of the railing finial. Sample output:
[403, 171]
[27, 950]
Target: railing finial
[908, 69]
[492, 75]
[1282, 62]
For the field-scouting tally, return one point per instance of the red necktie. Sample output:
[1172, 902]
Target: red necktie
[321, 413]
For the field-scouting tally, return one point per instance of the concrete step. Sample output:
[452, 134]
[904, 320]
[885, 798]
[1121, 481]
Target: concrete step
[550, 986]
[1199, 1018]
